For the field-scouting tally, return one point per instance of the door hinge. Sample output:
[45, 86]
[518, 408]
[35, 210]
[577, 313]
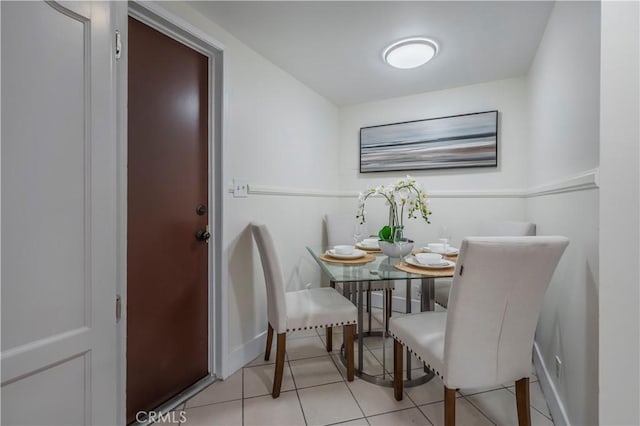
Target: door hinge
[118, 45]
[118, 307]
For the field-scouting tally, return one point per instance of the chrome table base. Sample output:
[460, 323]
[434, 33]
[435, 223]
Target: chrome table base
[426, 304]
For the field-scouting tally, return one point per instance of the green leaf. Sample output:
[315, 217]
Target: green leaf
[386, 234]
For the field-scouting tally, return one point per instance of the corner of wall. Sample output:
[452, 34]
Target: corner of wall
[244, 354]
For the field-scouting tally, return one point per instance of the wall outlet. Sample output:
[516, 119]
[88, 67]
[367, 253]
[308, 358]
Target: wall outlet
[240, 188]
[558, 363]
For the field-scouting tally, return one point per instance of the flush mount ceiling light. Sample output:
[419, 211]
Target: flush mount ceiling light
[410, 52]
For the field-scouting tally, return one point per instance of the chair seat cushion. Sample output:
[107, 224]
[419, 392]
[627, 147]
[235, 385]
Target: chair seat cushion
[423, 334]
[318, 307]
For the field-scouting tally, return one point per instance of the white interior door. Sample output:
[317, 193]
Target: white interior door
[58, 214]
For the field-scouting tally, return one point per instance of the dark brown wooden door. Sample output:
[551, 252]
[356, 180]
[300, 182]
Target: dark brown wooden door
[167, 291]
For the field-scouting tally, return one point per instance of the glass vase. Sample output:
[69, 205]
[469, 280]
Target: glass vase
[398, 233]
[400, 246]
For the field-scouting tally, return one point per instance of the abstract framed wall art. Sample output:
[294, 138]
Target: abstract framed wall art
[466, 140]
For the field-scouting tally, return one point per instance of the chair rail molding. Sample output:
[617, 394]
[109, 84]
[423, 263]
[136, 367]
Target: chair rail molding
[579, 182]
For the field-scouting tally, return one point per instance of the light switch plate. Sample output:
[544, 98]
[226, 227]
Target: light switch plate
[240, 188]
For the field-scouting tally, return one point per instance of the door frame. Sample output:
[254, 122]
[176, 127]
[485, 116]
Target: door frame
[163, 21]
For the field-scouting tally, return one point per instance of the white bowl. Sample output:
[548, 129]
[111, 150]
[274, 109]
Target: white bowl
[370, 242]
[436, 247]
[427, 258]
[344, 249]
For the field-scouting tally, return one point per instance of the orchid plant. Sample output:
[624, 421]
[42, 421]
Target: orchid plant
[405, 193]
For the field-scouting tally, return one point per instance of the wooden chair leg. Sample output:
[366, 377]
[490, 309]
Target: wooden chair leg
[267, 351]
[329, 336]
[397, 370]
[280, 351]
[348, 342]
[449, 407]
[522, 400]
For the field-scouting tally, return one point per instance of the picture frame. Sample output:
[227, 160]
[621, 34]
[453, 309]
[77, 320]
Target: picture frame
[455, 141]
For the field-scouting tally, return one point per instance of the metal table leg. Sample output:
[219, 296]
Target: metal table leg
[426, 301]
[385, 331]
[360, 330]
[408, 311]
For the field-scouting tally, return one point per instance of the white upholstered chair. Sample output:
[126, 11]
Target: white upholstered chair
[300, 310]
[486, 336]
[487, 229]
[340, 227]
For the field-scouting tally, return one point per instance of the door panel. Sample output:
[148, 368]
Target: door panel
[58, 214]
[54, 407]
[49, 163]
[167, 285]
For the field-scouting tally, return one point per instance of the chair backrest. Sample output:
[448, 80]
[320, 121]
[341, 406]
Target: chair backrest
[340, 228]
[276, 302]
[495, 300]
[507, 229]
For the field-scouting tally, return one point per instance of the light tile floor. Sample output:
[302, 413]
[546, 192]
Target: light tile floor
[315, 392]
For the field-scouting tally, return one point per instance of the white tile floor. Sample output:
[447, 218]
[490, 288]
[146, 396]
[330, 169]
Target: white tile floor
[315, 392]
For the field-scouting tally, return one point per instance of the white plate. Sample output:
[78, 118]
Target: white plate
[444, 264]
[368, 247]
[355, 255]
[450, 251]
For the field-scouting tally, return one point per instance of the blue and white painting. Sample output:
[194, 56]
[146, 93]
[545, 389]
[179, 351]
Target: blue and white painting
[469, 140]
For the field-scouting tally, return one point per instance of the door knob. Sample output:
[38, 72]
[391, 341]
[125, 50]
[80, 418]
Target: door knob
[203, 234]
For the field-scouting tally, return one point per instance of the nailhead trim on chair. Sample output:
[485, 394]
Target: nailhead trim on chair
[418, 356]
[321, 326]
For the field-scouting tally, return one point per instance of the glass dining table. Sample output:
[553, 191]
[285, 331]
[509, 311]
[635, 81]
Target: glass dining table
[357, 279]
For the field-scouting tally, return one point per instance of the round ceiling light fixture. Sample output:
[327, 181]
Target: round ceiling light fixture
[410, 52]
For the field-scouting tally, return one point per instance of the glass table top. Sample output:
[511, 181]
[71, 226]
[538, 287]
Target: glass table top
[381, 269]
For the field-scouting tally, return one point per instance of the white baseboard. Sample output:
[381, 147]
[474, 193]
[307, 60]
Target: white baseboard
[556, 407]
[244, 354]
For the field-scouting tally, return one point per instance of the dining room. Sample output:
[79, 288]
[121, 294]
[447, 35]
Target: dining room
[334, 172]
[305, 159]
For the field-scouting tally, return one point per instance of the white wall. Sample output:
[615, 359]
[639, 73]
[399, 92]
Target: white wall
[489, 193]
[507, 96]
[619, 208]
[278, 133]
[564, 80]
[564, 95]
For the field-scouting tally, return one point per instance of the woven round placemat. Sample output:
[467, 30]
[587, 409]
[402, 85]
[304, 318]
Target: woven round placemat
[359, 261]
[448, 272]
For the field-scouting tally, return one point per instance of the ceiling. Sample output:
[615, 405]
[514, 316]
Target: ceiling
[335, 47]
